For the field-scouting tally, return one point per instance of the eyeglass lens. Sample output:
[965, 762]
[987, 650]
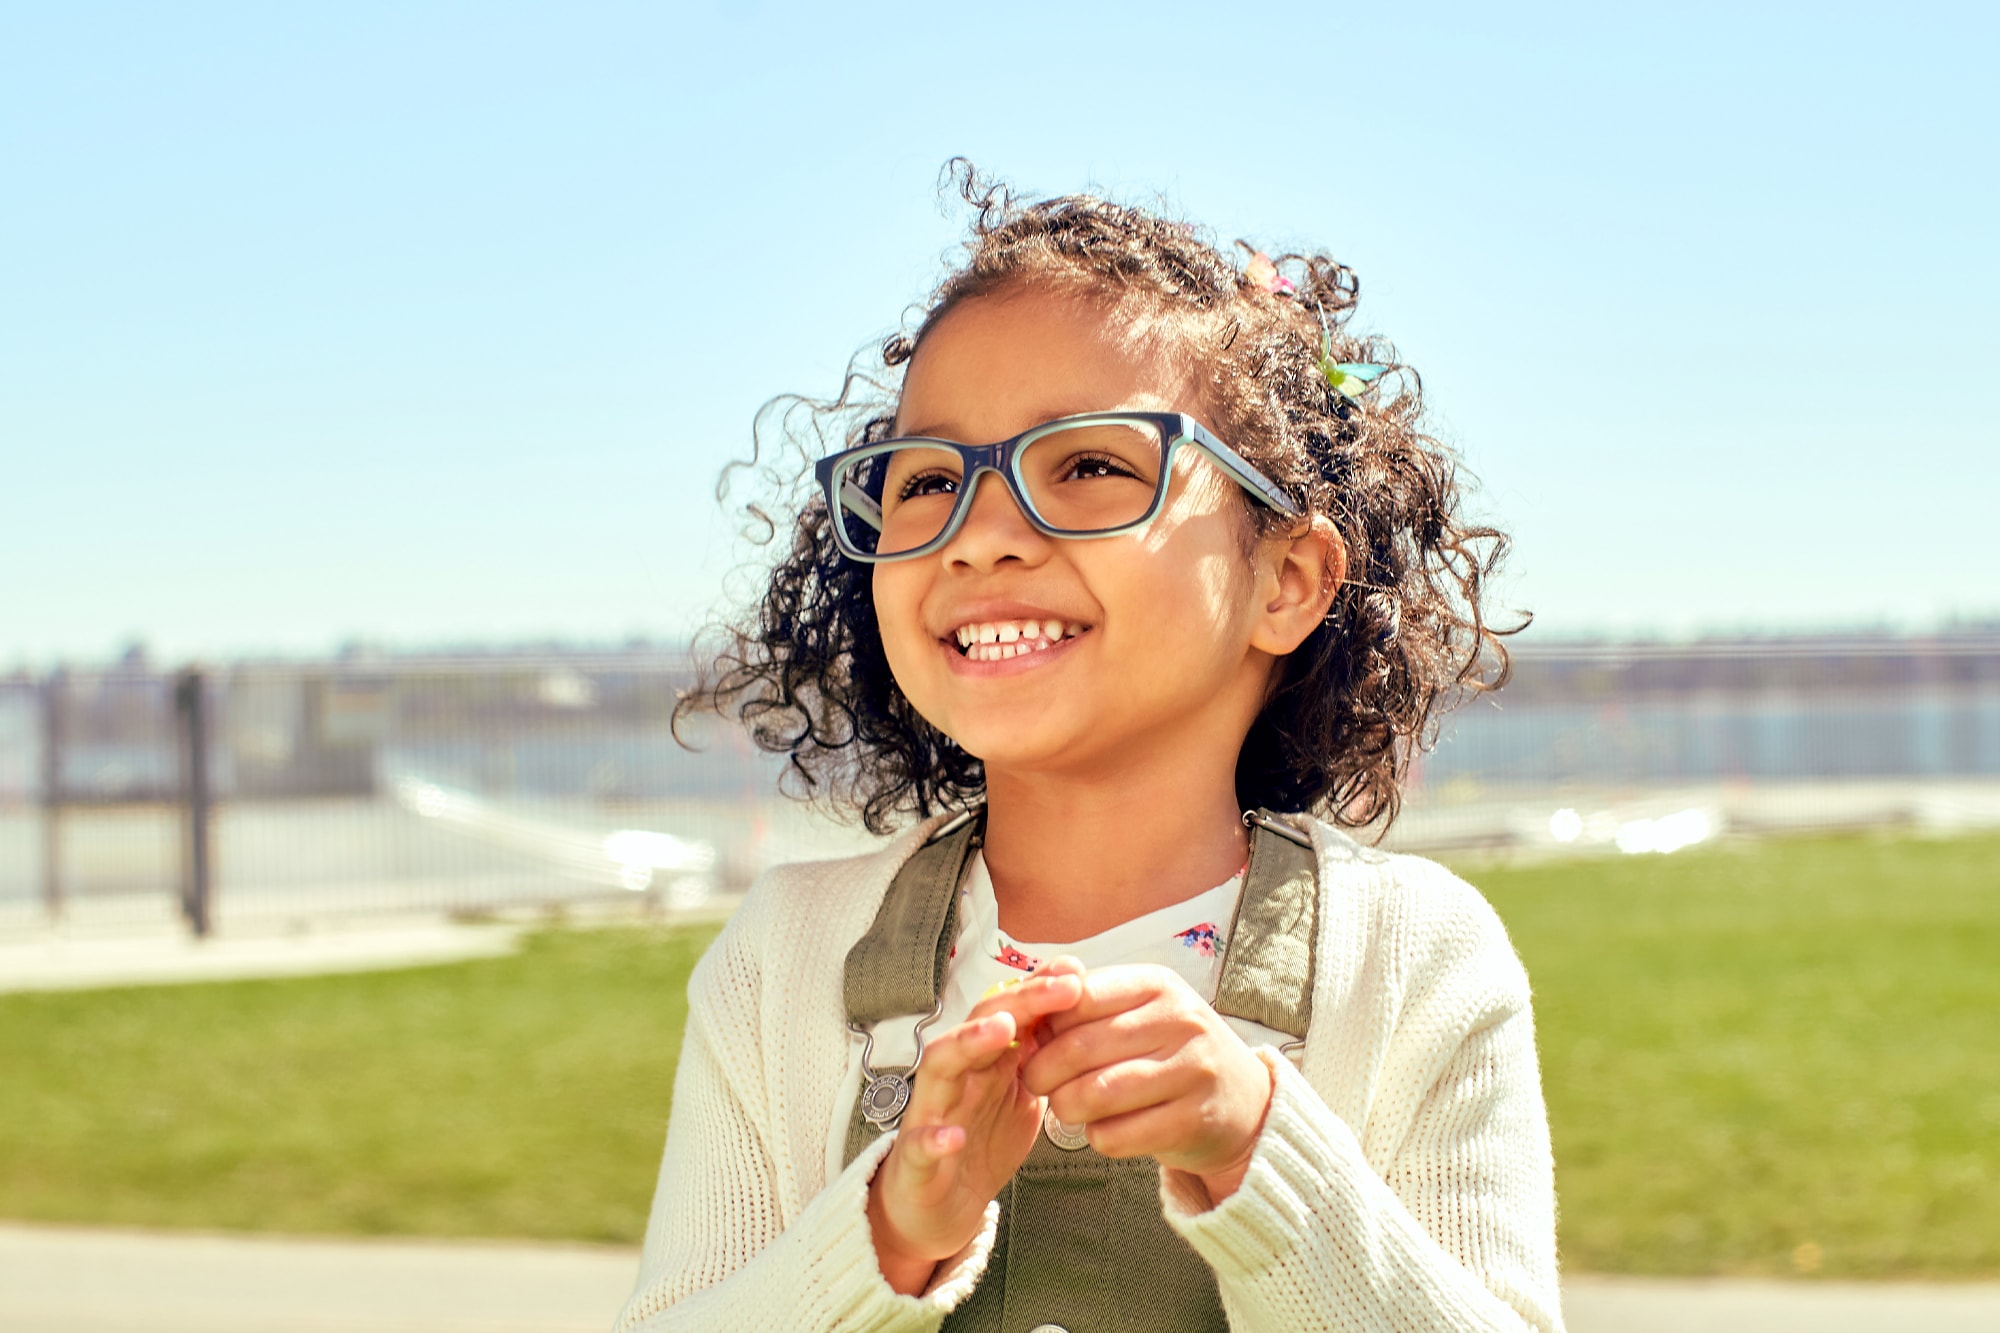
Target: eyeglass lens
[1081, 479]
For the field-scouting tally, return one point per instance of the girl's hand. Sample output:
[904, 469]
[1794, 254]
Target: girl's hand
[1150, 1069]
[969, 1125]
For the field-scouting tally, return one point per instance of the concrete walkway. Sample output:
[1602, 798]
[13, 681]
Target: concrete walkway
[60, 1280]
[159, 957]
[64, 1280]
[1742, 1305]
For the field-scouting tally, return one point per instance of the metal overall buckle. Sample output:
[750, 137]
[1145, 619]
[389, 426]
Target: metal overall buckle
[884, 1095]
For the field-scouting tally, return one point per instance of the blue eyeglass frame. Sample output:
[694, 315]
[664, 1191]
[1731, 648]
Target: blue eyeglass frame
[1176, 430]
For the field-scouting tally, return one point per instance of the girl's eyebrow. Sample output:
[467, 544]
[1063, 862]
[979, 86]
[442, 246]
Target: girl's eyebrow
[939, 431]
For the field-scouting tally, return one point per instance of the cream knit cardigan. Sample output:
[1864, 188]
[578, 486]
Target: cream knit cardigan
[1402, 1180]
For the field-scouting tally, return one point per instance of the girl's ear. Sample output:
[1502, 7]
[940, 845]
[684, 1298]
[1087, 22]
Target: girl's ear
[1297, 578]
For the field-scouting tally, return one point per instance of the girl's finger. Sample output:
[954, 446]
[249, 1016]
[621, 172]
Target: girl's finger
[1121, 1089]
[1071, 1053]
[952, 1060]
[925, 1147]
[1112, 990]
[1150, 1131]
[1032, 999]
[971, 1046]
[920, 1152]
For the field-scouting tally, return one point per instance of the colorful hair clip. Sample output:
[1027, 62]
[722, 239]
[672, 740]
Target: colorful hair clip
[1350, 379]
[1261, 272]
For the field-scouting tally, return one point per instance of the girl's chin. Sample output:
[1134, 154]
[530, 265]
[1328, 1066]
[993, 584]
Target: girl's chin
[1013, 754]
[1028, 741]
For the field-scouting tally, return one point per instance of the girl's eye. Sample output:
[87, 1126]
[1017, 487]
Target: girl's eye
[1084, 467]
[927, 483]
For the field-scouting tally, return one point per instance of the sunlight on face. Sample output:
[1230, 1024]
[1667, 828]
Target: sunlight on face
[1155, 650]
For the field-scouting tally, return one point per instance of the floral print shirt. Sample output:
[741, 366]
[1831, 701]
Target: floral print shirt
[1189, 937]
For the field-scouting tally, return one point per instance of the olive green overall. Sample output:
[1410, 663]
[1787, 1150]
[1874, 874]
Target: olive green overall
[1083, 1245]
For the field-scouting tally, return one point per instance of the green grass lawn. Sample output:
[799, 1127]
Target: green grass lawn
[1760, 1059]
[1773, 1058]
[521, 1096]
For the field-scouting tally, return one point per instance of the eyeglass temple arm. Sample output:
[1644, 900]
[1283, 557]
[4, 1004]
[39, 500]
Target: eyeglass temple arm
[859, 503]
[1243, 470]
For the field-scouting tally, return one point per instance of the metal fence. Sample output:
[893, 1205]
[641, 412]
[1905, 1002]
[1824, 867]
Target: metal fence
[282, 792]
[290, 791]
[1649, 746]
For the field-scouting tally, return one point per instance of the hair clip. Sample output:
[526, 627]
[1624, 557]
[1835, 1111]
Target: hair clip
[1349, 379]
[1261, 272]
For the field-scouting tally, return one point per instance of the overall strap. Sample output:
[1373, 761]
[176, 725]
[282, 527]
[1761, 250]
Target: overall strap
[898, 966]
[1267, 959]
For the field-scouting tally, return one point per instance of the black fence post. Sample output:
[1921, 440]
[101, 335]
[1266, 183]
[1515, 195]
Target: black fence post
[191, 711]
[52, 794]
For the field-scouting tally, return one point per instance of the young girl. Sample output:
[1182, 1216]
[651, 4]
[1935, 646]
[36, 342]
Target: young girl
[1143, 585]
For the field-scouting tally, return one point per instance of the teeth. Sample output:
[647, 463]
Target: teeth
[998, 640]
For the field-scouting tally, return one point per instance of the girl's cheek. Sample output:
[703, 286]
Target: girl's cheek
[897, 588]
[897, 607]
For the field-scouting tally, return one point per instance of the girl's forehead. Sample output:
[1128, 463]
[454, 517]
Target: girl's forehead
[996, 365]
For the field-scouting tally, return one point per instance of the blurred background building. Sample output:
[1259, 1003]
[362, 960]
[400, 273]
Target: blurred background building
[272, 794]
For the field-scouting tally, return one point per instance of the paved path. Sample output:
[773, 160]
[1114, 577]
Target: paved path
[59, 1280]
[64, 1280]
[81, 962]
[1735, 1305]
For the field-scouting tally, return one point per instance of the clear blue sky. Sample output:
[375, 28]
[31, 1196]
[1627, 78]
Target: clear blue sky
[429, 324]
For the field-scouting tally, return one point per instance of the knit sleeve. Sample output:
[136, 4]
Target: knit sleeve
[1455, 1231]
[720, 1250]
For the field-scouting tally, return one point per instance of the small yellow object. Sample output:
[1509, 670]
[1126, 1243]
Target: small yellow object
[994, 990]
[999, 986]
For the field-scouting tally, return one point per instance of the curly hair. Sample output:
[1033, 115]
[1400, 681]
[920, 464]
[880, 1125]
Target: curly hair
[1406, 638]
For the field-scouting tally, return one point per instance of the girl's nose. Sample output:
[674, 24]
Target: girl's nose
[995, 529]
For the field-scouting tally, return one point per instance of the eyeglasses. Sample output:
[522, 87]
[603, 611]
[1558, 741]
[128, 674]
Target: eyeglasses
[1094, 475]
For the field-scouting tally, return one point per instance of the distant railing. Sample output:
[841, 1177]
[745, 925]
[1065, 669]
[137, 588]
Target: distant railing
[282, 792]
[1777, 710]
[298, 790]
[1599, 743]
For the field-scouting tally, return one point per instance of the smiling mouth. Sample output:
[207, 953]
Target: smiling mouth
[998, 640]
